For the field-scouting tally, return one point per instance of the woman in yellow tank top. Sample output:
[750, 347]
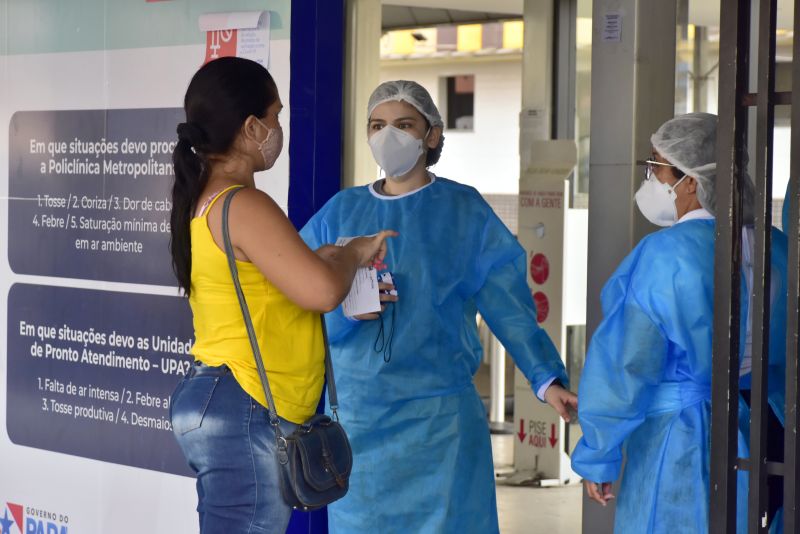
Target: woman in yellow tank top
[218, 411]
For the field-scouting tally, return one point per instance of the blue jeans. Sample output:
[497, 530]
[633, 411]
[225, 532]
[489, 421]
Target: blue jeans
[226, 437]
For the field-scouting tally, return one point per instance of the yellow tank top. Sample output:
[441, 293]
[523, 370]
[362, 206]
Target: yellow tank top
[290, 338]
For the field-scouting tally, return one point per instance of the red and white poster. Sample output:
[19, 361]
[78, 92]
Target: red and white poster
[242, 34]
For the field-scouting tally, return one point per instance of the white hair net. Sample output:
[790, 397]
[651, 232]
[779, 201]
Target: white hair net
[690, 143]
[407, 91]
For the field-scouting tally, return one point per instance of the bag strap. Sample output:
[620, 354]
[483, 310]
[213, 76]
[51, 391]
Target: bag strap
[329, 464]
[333, 399]
[262, 373]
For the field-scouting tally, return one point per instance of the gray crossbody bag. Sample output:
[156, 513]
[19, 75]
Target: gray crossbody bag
[315, 461]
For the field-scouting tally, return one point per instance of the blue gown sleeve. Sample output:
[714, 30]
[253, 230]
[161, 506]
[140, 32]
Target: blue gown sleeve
[776, 370]
[785, 210]
[624, 365]
[778, 319]
[505, 303]
[315, 235]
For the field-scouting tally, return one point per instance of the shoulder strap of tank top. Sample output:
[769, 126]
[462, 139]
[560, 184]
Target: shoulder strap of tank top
[212, 198]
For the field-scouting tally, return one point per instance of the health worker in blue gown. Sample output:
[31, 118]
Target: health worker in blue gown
[646, 385]
[785, 210]
[422, 453]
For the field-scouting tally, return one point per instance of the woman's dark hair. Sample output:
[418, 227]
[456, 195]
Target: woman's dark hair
[433, 155]
[220, 97]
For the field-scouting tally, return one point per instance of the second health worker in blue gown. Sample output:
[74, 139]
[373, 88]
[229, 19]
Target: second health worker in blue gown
[422, 453]
[646, 385]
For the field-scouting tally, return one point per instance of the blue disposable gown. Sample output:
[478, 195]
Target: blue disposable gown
[422, 453]
[785, 210]
[646, 384]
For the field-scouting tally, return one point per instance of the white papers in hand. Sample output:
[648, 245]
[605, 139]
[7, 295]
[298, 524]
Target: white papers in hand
[364, 295]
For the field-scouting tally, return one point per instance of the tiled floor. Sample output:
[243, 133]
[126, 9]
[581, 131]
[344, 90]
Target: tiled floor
[525, 510]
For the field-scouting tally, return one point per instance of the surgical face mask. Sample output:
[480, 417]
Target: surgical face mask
[271, 146]
[656, 201]
[395, 151]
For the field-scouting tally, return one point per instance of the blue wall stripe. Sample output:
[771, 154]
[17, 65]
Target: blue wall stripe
[315, 149]
[316, 93]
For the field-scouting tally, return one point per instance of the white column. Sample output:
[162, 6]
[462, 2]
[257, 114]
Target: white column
[537, 60]
[497, 382]
[633, 93]
[362, 65]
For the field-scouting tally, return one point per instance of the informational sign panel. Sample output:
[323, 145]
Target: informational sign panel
[542, 218]
[543, 207]
[82, 363]
[90, 193]
[95, 336]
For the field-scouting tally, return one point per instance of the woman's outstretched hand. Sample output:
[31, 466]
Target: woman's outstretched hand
[372, 249]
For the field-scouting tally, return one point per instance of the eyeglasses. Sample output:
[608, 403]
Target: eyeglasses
[650, 167]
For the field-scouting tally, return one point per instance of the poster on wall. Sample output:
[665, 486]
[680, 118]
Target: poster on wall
[95, 335]
[93, 363]
[98, 188]
[241, 34]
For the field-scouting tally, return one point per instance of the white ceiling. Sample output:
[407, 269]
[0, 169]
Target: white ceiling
[706, 13]
[701, 12]
[401, 17]
[513, 7]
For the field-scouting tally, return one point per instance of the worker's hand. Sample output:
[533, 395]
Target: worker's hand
[561, 400]
[385, 297]
[599, 492]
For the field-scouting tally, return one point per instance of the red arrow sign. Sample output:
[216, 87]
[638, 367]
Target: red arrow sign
[521, 433]
[553, 437]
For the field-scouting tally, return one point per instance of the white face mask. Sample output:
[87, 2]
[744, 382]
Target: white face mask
[656, 201]
[395, 151]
